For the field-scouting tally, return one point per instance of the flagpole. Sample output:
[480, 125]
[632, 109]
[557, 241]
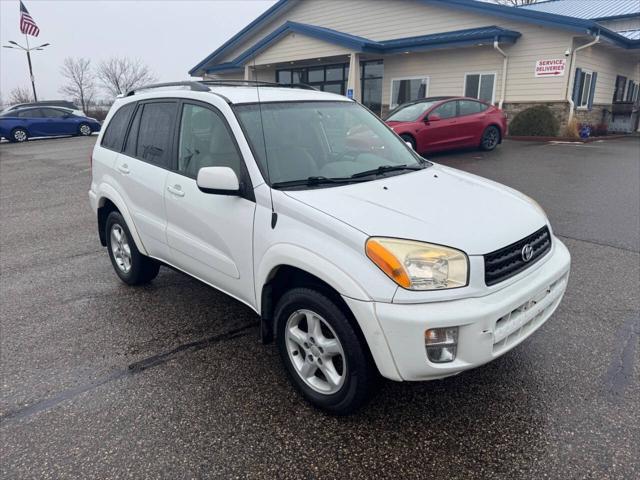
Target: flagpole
[33, 83]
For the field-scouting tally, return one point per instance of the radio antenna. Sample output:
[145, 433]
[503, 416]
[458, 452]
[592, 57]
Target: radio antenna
[274, 215]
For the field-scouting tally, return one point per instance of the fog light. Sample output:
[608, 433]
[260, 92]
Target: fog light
[441, 344]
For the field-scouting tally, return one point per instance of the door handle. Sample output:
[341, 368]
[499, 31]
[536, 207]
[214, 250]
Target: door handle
[124, 169]
[176, 190]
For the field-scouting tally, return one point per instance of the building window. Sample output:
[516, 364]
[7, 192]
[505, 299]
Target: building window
[371, 78]
[328, 78]
[621, 85]
[632, 91]
[480, 86]
[587, 86]
[404, 90]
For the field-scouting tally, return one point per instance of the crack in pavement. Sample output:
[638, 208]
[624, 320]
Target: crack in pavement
[14, 416]
[620, 371]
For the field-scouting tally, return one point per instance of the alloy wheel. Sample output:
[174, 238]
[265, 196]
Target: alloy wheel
[490, 139]
[315, 352]
[85, 130]
[120, 248]
[19, 135]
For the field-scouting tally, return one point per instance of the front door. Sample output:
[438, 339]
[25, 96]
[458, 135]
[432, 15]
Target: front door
[209, 235]
[442, 133]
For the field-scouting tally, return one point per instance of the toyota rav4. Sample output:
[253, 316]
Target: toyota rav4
[359, 256]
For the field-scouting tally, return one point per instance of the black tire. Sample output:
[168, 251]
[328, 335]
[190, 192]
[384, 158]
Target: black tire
[18, 135]
[142, 269]
[357, 368]
[490, 138]
[410, 139]
[84, 130]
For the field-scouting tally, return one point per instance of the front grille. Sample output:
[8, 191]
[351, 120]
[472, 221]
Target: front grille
[508, 261]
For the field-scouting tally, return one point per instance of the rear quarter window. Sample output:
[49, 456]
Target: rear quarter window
[117, 128]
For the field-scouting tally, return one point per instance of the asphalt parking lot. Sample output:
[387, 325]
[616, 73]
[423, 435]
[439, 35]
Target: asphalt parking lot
[100, 380]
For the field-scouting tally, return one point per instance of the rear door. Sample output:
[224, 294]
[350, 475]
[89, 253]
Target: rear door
[471, 120]
[210, 236]
[441, 134]
[35, 121]
[142, 169]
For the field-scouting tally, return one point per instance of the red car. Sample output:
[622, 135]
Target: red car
[441, 123]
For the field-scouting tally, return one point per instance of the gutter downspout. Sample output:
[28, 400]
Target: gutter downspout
[505, 63]
[569, 97]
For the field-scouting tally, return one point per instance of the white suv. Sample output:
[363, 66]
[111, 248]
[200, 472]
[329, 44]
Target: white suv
[358, 255]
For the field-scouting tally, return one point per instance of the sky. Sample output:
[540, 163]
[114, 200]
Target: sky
[170, 36]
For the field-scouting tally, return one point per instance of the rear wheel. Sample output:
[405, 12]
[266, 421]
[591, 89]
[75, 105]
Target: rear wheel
[19, 135]
[130, 265]
[321, 351]
[490, 138]
[84, 130]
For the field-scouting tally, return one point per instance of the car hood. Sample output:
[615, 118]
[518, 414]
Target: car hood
[438, 205]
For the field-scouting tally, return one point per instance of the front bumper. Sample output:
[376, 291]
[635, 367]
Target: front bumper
[489, 326]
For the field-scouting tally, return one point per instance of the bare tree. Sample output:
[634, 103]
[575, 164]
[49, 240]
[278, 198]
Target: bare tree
[20, 95]
[80, 81]
[515, 3]
[121, 74]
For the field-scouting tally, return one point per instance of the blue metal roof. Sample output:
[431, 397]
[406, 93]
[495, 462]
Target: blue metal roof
[572, 22]
[588, 10]
[471, 36]
[631, 34]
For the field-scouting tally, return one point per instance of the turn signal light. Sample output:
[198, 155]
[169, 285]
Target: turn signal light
[388, 263]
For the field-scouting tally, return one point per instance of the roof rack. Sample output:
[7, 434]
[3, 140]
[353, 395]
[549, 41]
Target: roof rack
[255, 83]
[195, 86]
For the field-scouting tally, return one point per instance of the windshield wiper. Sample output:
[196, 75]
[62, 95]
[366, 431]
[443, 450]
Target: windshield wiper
[310, 182]
[382, 169]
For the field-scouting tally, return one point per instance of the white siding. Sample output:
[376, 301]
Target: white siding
[445, 69]
[295, 47]
[608, 63]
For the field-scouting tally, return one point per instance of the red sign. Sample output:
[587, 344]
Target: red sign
[551, 68]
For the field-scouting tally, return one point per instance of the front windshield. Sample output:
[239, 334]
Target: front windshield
[410, 112]
[328, 140]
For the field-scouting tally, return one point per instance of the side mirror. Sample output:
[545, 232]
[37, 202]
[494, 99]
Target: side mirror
[218, 180]
[434, 117]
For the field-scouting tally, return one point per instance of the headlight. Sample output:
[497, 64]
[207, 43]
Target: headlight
[418, 265]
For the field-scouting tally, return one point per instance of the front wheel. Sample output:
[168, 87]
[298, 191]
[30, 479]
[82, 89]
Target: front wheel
[130, 265]
[490, 138]
[84, 129]
[321, 351]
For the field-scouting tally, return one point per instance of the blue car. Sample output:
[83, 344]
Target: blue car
[20, 124]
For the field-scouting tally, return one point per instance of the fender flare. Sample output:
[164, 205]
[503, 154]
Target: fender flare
[107, 192]
[295, 256]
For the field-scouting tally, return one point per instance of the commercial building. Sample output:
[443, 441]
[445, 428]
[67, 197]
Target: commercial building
[581, 58]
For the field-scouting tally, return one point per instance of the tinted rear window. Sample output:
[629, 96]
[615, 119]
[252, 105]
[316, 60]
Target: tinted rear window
[469, 107]
[117, 128]
[31, 113]
[156, 133]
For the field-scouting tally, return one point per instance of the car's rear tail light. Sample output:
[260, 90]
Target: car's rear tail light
[441, 344]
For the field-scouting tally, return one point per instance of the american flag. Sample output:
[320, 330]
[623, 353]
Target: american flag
[27, 24]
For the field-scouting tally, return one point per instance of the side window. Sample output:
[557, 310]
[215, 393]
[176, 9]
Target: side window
[156, 132]
[53, 113]
[132, 137]
[31, 113]
[205, 141]
[469, 107]
[446, 110]
[114, 136]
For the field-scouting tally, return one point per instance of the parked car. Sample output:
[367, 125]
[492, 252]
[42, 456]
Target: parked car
[20, 124]
[442, 123]
[360, 257]
[49, 103]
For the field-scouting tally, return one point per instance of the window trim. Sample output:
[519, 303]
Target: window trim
[413, 77]
[495, 82]
[246, 185]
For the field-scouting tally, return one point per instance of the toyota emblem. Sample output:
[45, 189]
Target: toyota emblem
[527, 252]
